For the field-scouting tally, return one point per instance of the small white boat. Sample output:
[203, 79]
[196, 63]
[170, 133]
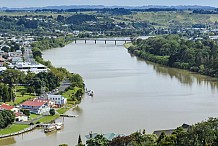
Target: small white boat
[90, 92]
[59, 126]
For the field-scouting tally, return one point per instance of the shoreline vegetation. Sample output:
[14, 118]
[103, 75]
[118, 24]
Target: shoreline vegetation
[143, 49]
[198, 56]
[73, 93]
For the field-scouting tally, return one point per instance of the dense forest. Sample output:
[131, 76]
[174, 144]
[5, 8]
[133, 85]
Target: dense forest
[6, 118]
[198, 55]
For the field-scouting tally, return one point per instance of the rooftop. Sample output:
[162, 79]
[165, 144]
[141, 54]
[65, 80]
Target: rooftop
[33, 103]
[6, 107]
[41, 100]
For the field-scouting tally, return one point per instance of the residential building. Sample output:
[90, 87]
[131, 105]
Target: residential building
[9, 108]
[48, 102]
[36, 107]
[19, 116]
[58, 99]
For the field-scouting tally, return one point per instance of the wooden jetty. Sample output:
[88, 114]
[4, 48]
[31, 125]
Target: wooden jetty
[70, 116]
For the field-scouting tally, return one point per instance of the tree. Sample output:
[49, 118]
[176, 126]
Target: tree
[52, 112]
[12, 76]
[5, 94]
[30, 89]
[80, 142]
[99, 140]
[26, 112]
[6, 118]
[161, 137]
[36, 52]
[23, 92]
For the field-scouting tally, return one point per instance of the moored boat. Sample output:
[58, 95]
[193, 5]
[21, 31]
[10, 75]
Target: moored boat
[59, 126]
[90, 92]
[50, 128]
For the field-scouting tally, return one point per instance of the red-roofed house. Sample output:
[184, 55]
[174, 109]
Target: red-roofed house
[19, 116]
[9, 108]
[49, 102]
[35, 107]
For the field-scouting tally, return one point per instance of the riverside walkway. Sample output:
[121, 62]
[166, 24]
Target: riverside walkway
[20, 132]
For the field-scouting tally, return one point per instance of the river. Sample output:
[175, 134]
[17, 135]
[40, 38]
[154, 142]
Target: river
[129, 95]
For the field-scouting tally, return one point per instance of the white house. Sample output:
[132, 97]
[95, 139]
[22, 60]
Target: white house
[58, 99]
[8, 107]
[19, 116]
[36, 107]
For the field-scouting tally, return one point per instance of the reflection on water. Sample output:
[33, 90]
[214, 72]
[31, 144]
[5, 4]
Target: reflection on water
[7, 141]
[130, 94]
[183, 76]
[78, 110]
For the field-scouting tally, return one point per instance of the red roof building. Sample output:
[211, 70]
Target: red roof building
[6, 107]
[36, 107]
[33, 103]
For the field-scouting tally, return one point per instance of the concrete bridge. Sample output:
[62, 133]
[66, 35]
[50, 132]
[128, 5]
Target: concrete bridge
[95, 40]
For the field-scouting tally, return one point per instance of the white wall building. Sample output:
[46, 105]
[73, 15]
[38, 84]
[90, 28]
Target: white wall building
[35, 68]
[58, 99]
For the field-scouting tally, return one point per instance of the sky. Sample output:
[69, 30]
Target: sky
[42, 3]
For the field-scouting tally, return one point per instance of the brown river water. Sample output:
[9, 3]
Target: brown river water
[129, 94]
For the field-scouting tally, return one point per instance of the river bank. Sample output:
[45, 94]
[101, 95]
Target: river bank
[76, 82]
[125, 86]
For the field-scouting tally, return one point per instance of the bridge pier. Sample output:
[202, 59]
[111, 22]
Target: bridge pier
[125, 41]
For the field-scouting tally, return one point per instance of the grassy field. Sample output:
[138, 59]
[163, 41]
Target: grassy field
[13, 128]
[68, 94]
[185, 18]
[64, 109]
[19, 98]
[47, 119]
[34, 116]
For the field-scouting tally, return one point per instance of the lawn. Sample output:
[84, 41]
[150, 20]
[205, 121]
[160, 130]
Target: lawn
[47, 119]
[19, 98]
[127, 45]
[64, 109]
[34, 116]
[67, 94]
[13, 128]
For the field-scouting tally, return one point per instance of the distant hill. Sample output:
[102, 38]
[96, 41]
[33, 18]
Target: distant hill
[181, 7]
